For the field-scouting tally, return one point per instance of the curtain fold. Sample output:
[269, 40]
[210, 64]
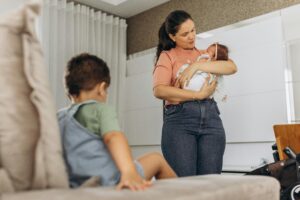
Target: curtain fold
[67, 29]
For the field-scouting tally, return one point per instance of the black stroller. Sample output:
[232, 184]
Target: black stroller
[287, 172]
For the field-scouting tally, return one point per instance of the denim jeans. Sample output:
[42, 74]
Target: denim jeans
[193, 138]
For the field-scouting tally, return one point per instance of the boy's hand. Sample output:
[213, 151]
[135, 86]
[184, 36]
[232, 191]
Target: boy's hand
[133, 181]
[117, 145]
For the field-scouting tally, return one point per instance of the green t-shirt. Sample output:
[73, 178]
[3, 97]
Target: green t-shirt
[97, 117]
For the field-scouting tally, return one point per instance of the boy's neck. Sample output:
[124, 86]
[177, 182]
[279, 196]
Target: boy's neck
[85, 96]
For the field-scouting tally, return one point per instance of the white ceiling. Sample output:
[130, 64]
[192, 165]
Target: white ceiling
[127, 8]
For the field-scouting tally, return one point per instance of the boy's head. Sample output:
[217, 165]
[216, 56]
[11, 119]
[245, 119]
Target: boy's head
[86, 73]
[218, 51]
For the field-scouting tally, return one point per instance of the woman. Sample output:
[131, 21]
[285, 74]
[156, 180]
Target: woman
[193, 137]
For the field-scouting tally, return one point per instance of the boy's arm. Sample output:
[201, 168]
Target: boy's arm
[117, 145]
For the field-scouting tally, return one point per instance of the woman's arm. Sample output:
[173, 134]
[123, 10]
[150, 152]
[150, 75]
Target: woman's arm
[220, 67]
[174, 94]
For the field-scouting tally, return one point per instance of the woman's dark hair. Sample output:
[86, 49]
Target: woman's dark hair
[84, 72]
[170, 26]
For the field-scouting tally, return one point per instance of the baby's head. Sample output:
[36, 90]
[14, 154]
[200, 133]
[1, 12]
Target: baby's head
[87, 74]
[218, 51]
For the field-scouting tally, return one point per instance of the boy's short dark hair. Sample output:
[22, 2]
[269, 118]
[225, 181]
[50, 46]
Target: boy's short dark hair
[84, 72]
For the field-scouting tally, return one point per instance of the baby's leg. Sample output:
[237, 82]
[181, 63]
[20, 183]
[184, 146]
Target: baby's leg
[155, 165]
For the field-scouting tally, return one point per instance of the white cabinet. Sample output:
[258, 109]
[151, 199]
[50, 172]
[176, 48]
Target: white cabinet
[291, 31]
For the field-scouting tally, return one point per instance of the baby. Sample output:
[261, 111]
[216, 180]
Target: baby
[214, 52]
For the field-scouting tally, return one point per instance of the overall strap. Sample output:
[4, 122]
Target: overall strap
[73, 109]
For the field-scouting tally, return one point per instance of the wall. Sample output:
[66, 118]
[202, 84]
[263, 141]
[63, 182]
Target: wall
[256, 94]
[207, 14]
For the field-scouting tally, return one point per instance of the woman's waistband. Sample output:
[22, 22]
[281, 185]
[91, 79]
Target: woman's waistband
[192, 101]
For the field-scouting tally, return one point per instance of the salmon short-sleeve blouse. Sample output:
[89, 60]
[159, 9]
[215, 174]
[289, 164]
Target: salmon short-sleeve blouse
[169, 63]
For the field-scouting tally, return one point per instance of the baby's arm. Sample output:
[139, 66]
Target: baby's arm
[117, 145]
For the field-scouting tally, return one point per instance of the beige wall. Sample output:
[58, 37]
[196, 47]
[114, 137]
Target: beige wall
[207, 14]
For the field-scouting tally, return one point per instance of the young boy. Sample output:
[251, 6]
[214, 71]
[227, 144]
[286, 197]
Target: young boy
[92, 140]
[214, 52]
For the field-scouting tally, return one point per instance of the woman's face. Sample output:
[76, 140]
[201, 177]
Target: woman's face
[185, 37]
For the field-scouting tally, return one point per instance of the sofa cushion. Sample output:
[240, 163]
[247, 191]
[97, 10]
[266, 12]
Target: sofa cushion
[5, 183]
[208, 187]
[30, 146]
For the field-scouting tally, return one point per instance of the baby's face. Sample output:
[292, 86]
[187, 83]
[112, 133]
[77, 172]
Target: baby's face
[211, 52]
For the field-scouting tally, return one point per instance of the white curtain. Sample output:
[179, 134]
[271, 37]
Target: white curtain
[67, 29]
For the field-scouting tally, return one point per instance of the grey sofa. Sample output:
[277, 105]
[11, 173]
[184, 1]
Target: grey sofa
[31, 161]
[208, 187]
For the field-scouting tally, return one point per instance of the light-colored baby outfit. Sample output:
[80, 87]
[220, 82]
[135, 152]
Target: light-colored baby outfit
[198, 80]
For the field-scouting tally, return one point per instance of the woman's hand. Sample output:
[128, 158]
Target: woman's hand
[133, 181]
[207, 89]
[185, 77]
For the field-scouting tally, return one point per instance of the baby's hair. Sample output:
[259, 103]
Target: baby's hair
[221, 52]
[84, 72]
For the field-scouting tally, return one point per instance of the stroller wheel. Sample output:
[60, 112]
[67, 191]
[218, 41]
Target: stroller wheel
[295, 192]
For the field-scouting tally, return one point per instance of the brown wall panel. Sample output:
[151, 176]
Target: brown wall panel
[208, 14]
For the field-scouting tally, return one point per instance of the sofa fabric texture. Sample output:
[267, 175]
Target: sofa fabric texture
[208, 187]
[30, 146]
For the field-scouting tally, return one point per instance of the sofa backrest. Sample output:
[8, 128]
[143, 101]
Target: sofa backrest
[30, 146]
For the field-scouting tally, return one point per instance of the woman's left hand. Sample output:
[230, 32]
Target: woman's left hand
[185, 77]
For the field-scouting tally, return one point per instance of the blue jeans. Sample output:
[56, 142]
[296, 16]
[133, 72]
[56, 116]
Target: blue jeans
[193, 138]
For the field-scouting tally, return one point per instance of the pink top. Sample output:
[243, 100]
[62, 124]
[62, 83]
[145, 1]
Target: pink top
[168, 64]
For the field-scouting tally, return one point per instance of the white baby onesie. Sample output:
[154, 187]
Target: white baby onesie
[197, 81]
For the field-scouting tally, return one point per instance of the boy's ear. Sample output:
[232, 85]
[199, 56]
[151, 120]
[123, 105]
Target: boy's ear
[102, 88]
